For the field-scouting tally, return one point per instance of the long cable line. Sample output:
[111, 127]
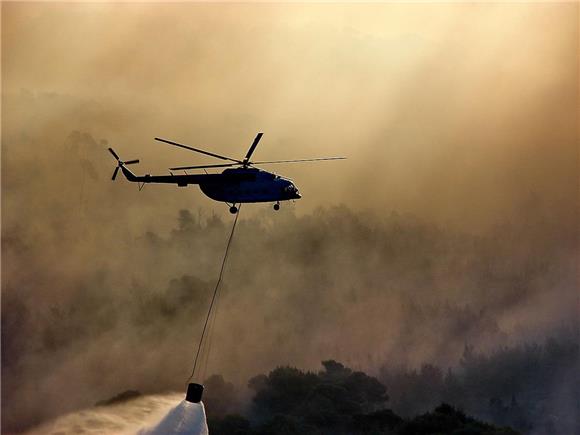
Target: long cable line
[209, 311]
[210, 334]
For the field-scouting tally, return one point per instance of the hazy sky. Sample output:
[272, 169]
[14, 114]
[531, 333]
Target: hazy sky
[455, 111]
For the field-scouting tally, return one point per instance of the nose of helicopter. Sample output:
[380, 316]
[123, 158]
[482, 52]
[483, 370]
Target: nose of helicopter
[292, 191]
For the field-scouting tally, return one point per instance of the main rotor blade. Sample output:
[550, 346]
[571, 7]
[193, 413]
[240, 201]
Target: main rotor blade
[298, 160]
[114, 153]
[115, 173]
[253, 146]
[207, 153]
[130, 162]
[204, 166]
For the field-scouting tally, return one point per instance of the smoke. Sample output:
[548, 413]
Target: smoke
[296, 290]
[456, 128]
[461, 185]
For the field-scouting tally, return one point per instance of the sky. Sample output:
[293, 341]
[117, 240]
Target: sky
[452, 221]
[453, 111]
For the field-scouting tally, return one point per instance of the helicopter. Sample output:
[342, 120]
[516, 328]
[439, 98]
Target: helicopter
[240, 183]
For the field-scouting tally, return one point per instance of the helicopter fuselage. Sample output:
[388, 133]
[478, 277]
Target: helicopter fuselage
[244, 185]
[234, 186]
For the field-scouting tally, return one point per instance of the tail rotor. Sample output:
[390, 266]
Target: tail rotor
[120, 163]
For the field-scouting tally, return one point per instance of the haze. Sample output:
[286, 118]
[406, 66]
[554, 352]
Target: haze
[460, 124]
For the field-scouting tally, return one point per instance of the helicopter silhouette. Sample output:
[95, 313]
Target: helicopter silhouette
[241, 183]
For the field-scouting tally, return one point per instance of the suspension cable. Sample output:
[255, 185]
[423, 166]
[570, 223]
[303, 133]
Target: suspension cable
[209, 311]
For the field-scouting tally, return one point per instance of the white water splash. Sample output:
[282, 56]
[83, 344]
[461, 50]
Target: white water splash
[147, 415]
[185, 419]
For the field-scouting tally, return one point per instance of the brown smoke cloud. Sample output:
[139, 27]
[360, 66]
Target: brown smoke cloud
[460, 123]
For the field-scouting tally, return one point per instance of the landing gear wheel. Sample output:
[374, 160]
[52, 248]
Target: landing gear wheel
[276, 206]
[233, 209]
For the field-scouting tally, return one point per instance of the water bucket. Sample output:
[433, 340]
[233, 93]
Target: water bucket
[194, 393]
